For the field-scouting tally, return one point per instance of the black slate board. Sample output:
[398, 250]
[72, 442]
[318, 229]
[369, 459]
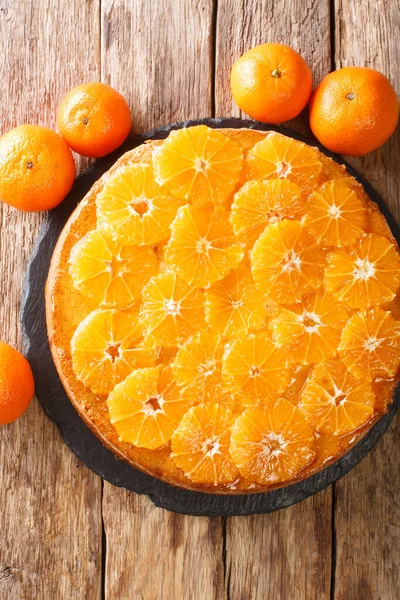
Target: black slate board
[75, 433]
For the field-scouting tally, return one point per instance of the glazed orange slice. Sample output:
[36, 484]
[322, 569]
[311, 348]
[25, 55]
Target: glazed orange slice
[147, 407]
[274, 445]
[286, 262]
[198, 164]
[200, 445]
[309, 332]
[197, 366]
[370, 344]
[299, 377]
[202, 248]
[107, 346]
[110, 273]
[133, 210]
[335, 214]
[260, 203]
[281, 157]
[171, 310]
[235, 305]
[364, 274]
[254, 368]
[334, 401]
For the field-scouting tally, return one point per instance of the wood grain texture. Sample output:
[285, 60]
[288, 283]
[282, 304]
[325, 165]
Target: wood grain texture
[286, 555]
[50, 540]
[367, 519]
[166, 76]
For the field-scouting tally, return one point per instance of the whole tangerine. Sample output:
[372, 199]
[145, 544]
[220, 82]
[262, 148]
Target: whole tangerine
[16, 384]
[271, 82]
[94, 119]
[354, 110]
[37, 168]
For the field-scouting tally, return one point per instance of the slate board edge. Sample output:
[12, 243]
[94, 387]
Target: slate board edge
[82, 441]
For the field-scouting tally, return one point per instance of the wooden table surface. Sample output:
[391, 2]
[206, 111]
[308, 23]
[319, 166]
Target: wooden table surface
[64, 533]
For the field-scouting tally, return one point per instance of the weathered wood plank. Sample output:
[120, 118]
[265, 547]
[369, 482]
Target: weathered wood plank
[159, 56]
[367, 519]
[50, 513]
[287, 554]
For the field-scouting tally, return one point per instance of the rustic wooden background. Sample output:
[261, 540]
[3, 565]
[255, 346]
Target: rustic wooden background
[64, 533]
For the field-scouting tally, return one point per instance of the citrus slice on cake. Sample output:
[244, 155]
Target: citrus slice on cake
[255, 368]
[281, 157]
[274, 445]
[110, 273]
[287, 262]
[370, 344]
[335, 214]
[197, 366]
[147, 407]
[365, 273]
[260, 203]
[199, 165]
[202, 248]
[200, 445]
[107, 346]
[171, 310]
[309, 332]
[133, 209]
[334, 401]
[234, 305]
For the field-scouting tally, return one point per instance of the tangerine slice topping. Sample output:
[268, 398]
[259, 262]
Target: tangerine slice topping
[255, 368]
[260, 203]
[133, 209]
[202, 248]
[198, 164]
[274, 445]
[107, 346]
[200, 445]
[370, 344]
[310, 331]
[235, 305]
[364, 274]
[335, 214]
[171, 310]
[281, 157]
[286, 262]
[110, 273]
[334, 401]
[147, 407]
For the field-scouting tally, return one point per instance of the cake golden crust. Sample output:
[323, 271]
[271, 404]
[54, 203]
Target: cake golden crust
[66, 308]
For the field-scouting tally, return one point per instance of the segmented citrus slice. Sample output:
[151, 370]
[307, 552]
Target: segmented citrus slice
[364, 274]
[235, 305]
[370, 344]
[286, 262]
[200, 445]
[171, 310]
[299, 377]
[197, 366]
[202, 248]
[335, 214]
[309, 332]
[198, 164]
[334, 401]
[281, 157]
[110, 273]
[274, 445]
[259, 203]
[107, 346]
[133, 209]
[147, 407]
[255, 368]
